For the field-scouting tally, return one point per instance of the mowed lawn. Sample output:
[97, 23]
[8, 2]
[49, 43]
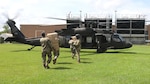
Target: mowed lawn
[127, 66]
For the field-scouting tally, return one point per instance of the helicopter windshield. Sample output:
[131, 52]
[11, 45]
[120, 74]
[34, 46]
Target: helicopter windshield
[117, 38]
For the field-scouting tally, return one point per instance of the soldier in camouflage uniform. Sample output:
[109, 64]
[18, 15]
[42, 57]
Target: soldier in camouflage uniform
[76, 47]
[46, 50]
[72, 47]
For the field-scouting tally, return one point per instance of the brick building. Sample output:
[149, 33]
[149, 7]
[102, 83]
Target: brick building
[148, 31]
[36, 30]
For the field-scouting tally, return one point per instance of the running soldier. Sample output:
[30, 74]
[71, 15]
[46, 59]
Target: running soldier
[46, 50]
[75, 43]
[72, 47]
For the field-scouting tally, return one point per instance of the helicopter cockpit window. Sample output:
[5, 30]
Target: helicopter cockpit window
[121, 38]
[117, 38]
[89, 39]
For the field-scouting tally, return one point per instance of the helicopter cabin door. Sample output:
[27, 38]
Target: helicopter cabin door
[88, 41]
[101, 43]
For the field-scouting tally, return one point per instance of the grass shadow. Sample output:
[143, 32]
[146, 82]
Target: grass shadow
[64, 63]
[85, 62]
[18, 50]
[122, 52]
[88, 54]
[61, 68]
[25, 50]
[144, 53]
[118, 52]
[86, 51]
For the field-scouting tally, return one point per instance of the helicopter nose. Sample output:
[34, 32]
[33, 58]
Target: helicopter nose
[128, 45]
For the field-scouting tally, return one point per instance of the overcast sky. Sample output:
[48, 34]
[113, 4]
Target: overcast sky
[34, 11]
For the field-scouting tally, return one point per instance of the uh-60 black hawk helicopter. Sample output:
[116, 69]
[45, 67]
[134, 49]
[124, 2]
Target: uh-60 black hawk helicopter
[90, 38]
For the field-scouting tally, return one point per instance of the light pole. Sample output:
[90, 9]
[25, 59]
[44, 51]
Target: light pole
[115, 20]
[80, 19]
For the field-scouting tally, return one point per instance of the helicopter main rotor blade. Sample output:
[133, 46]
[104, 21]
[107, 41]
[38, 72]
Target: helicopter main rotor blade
[17, 14]
[5, 15]
[68, 24]
[55, 18]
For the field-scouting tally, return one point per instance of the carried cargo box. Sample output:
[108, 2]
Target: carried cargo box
[54, 40]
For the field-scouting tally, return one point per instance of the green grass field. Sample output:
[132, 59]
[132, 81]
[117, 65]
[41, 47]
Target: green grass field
[128, 66]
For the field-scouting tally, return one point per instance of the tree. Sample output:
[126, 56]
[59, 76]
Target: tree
[6, 29]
